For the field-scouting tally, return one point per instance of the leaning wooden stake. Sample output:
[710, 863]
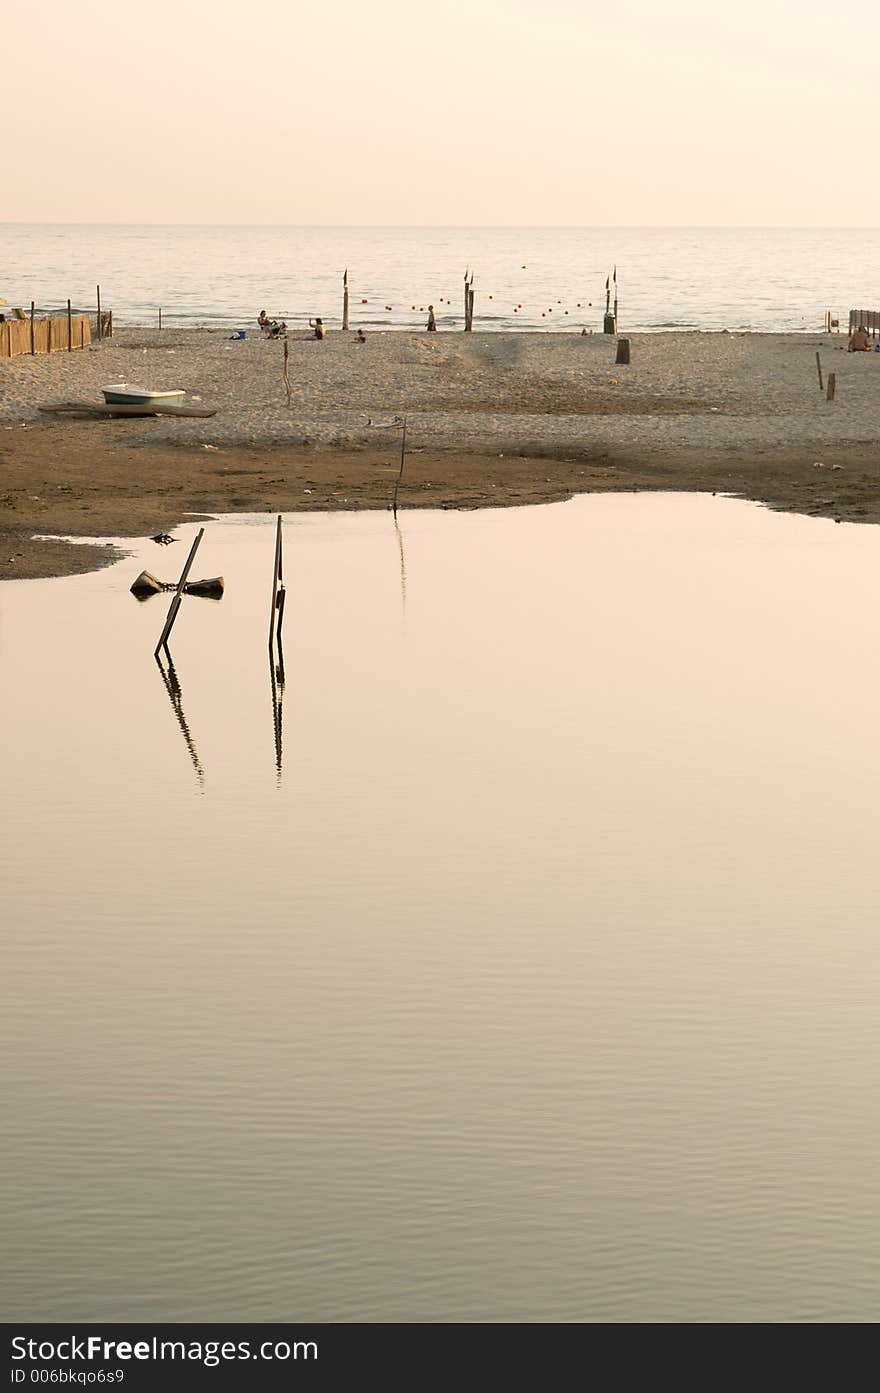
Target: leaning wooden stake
[286, 374]
[175, 603]
[400, 471]
[832, 384]
[819, 370]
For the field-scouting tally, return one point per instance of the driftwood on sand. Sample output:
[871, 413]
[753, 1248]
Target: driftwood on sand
[94, 408]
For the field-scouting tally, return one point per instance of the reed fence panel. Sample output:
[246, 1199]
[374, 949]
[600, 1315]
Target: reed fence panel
[50, 335]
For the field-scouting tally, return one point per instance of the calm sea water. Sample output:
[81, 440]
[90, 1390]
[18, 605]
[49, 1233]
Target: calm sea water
[537, 278]
[533, 977]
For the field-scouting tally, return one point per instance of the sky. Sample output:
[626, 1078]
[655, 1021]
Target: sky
[465, 112]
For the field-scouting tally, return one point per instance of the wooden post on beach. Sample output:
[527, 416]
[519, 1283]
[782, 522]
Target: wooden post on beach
[178, 596]
[819, 371]
[33, 350]
[69, 329]
[286, 374]
[110, 325]
[345, 299]
[832, 384]
[100, 331]
[160, 316]
[471, 305]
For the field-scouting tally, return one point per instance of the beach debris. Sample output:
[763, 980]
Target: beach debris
[146, 584]
[105, 409]
[216, 448]
[162, 538]
[817, 464]
[837, 466]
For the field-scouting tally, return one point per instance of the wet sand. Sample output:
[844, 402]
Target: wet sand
[85, 479]
[495, 421]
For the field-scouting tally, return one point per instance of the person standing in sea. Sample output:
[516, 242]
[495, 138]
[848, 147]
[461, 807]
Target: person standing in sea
[431, 326]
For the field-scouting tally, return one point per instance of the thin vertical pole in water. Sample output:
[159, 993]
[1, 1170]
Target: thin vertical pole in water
[69, 329]
[345, 299]
[467, 302]
[277, 588]
[33, 350]
[819, 371]
[100, 330]
[400, 471]
[178, 596]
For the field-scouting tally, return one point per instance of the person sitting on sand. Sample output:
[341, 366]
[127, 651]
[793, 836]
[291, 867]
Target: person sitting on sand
[360, 336]
[431, 325]
[270, 328]
[318, 326]
[859, 341]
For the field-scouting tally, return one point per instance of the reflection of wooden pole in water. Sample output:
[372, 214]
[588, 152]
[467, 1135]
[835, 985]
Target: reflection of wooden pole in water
[175, 603]
[400, 471]
[276, 614]
[402, 565]
[175, 695]
[276, 681]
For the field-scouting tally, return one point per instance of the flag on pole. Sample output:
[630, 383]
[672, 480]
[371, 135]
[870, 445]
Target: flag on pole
[607, 282]
[345, 277]
[615, 275]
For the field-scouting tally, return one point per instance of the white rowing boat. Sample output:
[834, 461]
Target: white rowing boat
[124, 394]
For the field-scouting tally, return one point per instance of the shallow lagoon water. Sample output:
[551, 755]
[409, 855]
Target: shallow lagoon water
[539, 984]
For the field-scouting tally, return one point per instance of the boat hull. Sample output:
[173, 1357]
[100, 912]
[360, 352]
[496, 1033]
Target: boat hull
[123, 395]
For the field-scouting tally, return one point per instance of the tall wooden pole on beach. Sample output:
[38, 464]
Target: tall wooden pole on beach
[69, 328]
[33, 350]
[345, 299]
[100, 331]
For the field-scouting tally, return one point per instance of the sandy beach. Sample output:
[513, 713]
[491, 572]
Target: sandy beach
[493, 420]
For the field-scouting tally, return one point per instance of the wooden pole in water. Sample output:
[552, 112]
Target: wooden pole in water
[100, 329]
[69, 329]
[832, 384]
[467, 302]
[178, 596]
[160, 316]
[400, 471]
[276, 582]
[345, 299]
[819, 371]
[33, 350]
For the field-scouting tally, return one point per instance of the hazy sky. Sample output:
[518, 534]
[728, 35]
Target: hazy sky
[467, 111]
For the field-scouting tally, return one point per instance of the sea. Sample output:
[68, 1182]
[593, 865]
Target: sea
[535, 278]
